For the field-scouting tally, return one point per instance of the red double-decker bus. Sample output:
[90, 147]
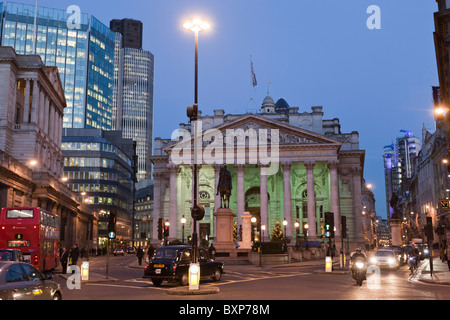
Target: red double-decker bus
[33, 231]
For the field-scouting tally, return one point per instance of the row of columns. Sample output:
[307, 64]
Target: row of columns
[264, 200]
[42, 110]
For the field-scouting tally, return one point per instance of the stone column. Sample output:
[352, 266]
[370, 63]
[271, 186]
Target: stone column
[173, 206]
[26, 104]
[264, 200]
[311, 200]
[287, 197]
[46, 113]
[41, 108]
[216, 183]
[357, 205]
[35, 102]
[334, 195]
[156, 205]
[240, 193]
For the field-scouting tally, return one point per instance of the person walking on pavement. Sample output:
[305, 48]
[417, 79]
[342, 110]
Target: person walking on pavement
[150, 252]
[140, 255]
[447, 256]
[212, 252]
[63, 259]
[73, 256]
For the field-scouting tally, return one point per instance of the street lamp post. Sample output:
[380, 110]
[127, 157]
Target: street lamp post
[183, 222]
[196, 26]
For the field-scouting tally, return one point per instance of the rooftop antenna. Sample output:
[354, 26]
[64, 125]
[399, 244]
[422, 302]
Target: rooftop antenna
[268, 88]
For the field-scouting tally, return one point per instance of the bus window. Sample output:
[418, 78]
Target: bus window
[19, 214]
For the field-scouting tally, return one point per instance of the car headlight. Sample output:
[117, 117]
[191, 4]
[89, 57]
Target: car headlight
[391, 261]
[373, 260]
[425, 251]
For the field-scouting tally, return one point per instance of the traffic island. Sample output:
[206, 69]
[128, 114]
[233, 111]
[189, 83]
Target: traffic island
[184, 291]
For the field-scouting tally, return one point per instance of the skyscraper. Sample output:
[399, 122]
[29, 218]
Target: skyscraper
[133, 99]
[398, 166]
[131, 31]
[79, 45]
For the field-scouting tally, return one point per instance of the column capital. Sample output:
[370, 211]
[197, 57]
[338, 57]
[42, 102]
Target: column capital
[158, 174]
[333, 164]
[357, 171]
[286, 165]
[172, 167]
[310, 165]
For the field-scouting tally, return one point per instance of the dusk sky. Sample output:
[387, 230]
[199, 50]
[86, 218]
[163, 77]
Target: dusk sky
[314, 53]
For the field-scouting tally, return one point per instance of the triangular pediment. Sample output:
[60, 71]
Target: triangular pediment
[53, 77]
[253, 126]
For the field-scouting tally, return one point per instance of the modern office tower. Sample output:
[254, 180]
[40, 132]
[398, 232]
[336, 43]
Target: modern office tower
[399, 166]
[133, 100]
[97, 166]
[131, 31]
[79, 45]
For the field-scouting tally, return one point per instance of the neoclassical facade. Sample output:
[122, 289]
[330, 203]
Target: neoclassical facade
[285, 166]
[32, 104]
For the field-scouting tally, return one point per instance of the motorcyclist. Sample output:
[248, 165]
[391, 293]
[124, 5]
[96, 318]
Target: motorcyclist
[357, 255]
[414, 253]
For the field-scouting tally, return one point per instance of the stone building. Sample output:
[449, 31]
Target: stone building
[314, 168]
[31, 164]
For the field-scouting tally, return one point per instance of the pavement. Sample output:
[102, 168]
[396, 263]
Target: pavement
[440, 276]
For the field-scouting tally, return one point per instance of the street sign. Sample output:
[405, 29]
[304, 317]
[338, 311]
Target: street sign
[194, 277]
[112, 235]
[85, 271]
[328, 264]
[444, 204]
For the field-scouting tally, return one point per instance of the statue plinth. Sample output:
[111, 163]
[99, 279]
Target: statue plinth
[396, 232]
[224, 230]
[246, 242]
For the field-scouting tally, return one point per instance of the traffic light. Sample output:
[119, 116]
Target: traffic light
[112, 222]
[160, 229]
[344, 226]
[429, 229]
[112, 226]
[329, 224]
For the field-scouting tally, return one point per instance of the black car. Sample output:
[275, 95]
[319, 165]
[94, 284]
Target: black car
[172, 264]
[22, 281]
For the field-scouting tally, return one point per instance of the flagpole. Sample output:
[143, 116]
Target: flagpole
[35, 27]
[251, 87]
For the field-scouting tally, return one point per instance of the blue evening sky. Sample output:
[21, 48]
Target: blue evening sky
[314, 53]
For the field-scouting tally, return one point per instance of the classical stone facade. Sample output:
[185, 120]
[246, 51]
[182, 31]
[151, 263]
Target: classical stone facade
[31, 164]
[285, 166]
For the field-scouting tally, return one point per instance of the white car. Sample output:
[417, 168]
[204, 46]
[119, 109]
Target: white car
[385, 259]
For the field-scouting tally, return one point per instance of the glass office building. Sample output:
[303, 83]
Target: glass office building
[133, 101]
[83, 53]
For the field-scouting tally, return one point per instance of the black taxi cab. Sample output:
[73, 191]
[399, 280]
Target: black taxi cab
[172, 263]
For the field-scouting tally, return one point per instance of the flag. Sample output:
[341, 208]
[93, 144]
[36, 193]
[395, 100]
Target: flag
[255, 82]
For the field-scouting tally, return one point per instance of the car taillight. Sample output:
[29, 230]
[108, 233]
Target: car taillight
[174, 268]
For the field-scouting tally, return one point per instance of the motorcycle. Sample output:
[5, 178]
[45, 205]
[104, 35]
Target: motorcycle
[359, 270]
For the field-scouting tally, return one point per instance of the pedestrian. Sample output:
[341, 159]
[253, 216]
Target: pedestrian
[140, 255]
[150, 252]
[63, 259]
[73, 256]
[212, 252]
[447, 256]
